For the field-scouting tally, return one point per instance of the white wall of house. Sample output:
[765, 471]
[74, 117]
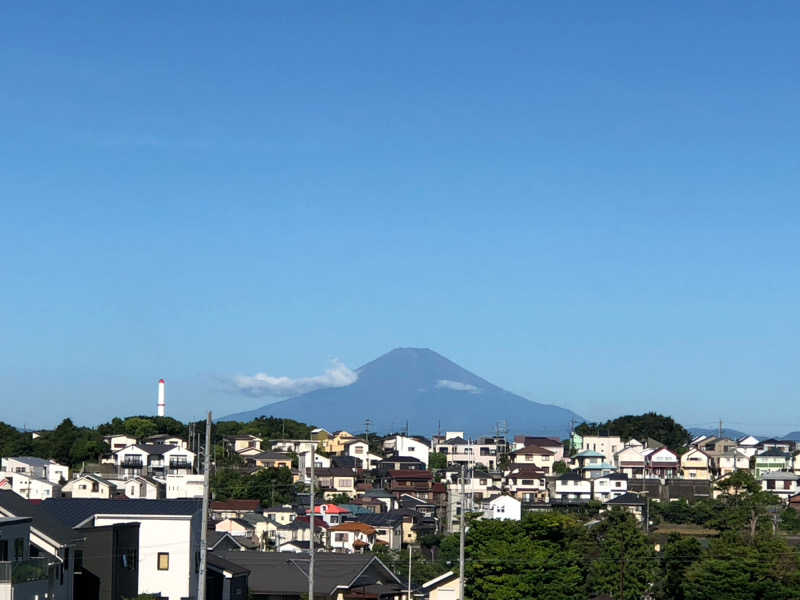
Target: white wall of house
[406, 446]
[30, 488]
[573, 489]
[177, 535]
[605, 488]
[87, 487]
[184, 486]
[607, 445]
[503, 508]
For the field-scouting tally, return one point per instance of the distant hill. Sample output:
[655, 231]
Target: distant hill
[794, 435]
[425, 389]
[733, 434]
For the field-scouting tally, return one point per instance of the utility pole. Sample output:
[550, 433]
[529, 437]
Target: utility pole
[367, 423]
[409, 572]
[571, 433]
[720, 428]
[311, 520]
[201, 583]
[461, 541]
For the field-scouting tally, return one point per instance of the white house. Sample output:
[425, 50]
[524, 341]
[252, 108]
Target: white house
[630, 460]
[30, 488]
[571, 487]
[503, 508]
[735, 460]
[607, 487]
[119, 441]
[330, 513]
[88, 485]
[407, 446]
[169, 538]
[145, 488]
[352, 537]
[780, 483]
[154, 459]
[748, 445]
[184, 486]
[607, 445]
[36, 467]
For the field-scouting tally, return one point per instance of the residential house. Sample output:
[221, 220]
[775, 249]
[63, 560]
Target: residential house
[607, 445]
[283, 515]
[608, 487]
[418, 483]
[460, 451]
[386, 499]
[237, 527]
[169, 537]
[541, 458]
[330, 513]
[401, 445]
[526, 483]
[571, 487]
[269, 460]
[714, 447]
[787, 446]
[184, 486]
[502, 508]
[352, 537]
[105, 562]
[359, 449]
[772, 459]
[662, 463]
[630, 461]
[695, 464]
[119, 441]
[734, 460]
[220, 541]
[234, 508]
[157, 460]
[29, 487]
[630, 502]
[336, 443]
[166, 439]
[591, 463]
[320, 435]
[389, 526]
[334, 482]
[781, 483]
[225, 580]
[243, 445]
[87, 485]
[336, 575]
[397, 463]
[38, 468]
[748, 445]
[554, 445]
[298, 531]
[21, 575]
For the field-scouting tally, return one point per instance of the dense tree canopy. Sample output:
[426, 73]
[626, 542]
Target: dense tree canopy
[664, 429]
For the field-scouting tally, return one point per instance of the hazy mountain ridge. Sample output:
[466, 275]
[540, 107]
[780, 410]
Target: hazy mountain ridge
[425, 389]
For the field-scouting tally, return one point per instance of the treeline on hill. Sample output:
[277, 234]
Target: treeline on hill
[661, 428]
[72, 445]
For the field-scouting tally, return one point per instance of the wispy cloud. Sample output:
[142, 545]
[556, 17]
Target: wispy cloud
[458, 386]
[263, 384]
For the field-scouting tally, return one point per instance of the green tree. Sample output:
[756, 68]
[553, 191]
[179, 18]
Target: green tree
[624, 567]
[737, 569]
[560, 467]
[679, 553]
[664, 429]
[744, 504]
[437, 460]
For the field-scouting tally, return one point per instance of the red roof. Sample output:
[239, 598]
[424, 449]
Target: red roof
[330, 509]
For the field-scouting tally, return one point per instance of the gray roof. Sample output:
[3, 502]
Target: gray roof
[377, 493]
[221, 564]
[780, 475]
[158, 448]
[12, 504]
[32, 461]
[72, 511]
[277, 509]
[453, 442]
[285, 573]
[391, 518]
[628, 499]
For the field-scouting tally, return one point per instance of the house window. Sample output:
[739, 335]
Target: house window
[95, 486]
[19, 548]
[618, 484]
[163, 561]
[787, 485]
[771, 484]
[411, 448]
[340, 537]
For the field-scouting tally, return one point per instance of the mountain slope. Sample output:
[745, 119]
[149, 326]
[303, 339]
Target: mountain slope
[424, 388]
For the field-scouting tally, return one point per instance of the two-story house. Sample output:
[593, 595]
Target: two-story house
[607, 487]
[781, 483]
[607, 445]
[401, 445]
[772, 459]
[527, 484]
[571, 487]
[541, 458]
[38, 468]
[555, 446]
[243, 445]
[502, 508]
[662, 463]
[28, 486]
[592, 463]
[695, 464]
[331, 513]
[88, 485]
[630, 460]
[157, 460]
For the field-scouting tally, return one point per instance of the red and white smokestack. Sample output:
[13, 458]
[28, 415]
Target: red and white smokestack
[162, 398]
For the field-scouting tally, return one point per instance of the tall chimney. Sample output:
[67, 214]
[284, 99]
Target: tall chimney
[162, 398]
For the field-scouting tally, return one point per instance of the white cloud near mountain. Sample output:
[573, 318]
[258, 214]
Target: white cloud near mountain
[458, 386]
[263, 384]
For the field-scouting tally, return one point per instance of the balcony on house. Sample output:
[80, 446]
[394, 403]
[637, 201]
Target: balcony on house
[24, 578]
[179, 466]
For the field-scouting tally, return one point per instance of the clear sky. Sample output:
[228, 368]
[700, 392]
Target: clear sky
[591, 204]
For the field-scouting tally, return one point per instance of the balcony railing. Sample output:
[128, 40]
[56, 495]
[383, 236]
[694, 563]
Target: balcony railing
[132, 464]
[24, 571]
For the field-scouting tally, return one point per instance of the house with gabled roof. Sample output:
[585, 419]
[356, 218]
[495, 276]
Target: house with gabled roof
[88, 485]
[502, 507]
[526, 483]
[695, 464]
[571, 487]
[608, 487]
[772, 459]
[336, 575]
[330, 513]
[781, 483]
[631, 461]
[539, 457]
[662, 463]
[630, 502]
[554, 445]
[351, 536]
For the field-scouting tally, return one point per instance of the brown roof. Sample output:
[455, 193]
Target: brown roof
[410, 474]
[534, 450]
[236, 505]
[355, 526]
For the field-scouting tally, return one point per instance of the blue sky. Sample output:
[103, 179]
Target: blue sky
[595, 206]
